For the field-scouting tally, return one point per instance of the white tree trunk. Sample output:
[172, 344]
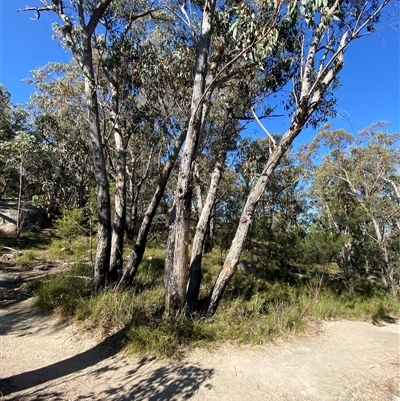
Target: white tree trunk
[176, 287]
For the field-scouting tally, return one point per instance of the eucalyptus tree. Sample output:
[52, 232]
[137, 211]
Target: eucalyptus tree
[6, 114]
[25, 159]
[77, 31]
[228, 115]
[327, 29]
[229, 41]
[364, 175]
[165, 77]
[221, 136]
[58, 111]
[177, 255]
[278, 217]
[79, 19]
[13, 119]
[117, 55]
[338, 211]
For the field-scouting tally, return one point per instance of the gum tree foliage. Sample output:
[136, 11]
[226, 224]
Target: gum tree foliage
[58, 110]
[231, 43]
[254, 66]
[221, 51]
[164, 71]
[79, 20]
[327, 28]
[24, 157]
[13, 120]
[27, 159]
[129, 90]
[357, 189]
[121, 58]
[278, 223]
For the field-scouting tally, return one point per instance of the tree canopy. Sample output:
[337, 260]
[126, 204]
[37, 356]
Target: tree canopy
[150, 116]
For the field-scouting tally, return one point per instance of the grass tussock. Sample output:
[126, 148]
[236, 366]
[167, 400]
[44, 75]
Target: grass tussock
[255, 308]
[63, 292]
[27, 258]
[75, 249]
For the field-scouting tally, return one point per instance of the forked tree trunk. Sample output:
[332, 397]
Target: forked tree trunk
[313, 88]
[203, 224]
[176, 286]
[119, 220]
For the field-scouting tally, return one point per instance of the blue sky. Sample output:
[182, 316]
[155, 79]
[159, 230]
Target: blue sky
[370, 80]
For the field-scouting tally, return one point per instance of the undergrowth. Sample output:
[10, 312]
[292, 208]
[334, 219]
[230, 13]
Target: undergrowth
[63, 292]
[254, 309]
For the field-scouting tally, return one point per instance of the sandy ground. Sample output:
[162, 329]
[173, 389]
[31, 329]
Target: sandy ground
[43, 358]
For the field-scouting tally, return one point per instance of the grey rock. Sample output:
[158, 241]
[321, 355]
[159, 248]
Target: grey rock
[31, 215]
[8, 280]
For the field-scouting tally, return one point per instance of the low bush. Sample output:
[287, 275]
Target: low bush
[26, 258]
[64, 292]
[254, 310]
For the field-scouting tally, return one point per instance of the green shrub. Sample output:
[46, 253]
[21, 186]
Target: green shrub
[71, 225]
[166, 337]
[64, 291]
[254, 309]
[58, 249]
[26, 258]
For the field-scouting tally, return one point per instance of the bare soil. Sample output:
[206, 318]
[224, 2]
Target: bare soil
[45, 358]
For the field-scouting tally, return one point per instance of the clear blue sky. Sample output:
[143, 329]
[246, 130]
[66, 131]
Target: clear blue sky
[370, 80]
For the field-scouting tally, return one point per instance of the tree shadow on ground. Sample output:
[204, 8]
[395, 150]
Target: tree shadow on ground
[24, 321]
[23, 381]
[177, 381]
[383, 320]
[12, 293]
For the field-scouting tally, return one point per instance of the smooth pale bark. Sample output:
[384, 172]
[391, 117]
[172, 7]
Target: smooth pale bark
[169, 256]
[118, 227]
[176, 287]
[102, 260]
[195, 273]
[313, 88]
[203, 224]
[79, 41]
[199, 196]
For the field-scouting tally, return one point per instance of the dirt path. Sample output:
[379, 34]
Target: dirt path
[44, 359]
